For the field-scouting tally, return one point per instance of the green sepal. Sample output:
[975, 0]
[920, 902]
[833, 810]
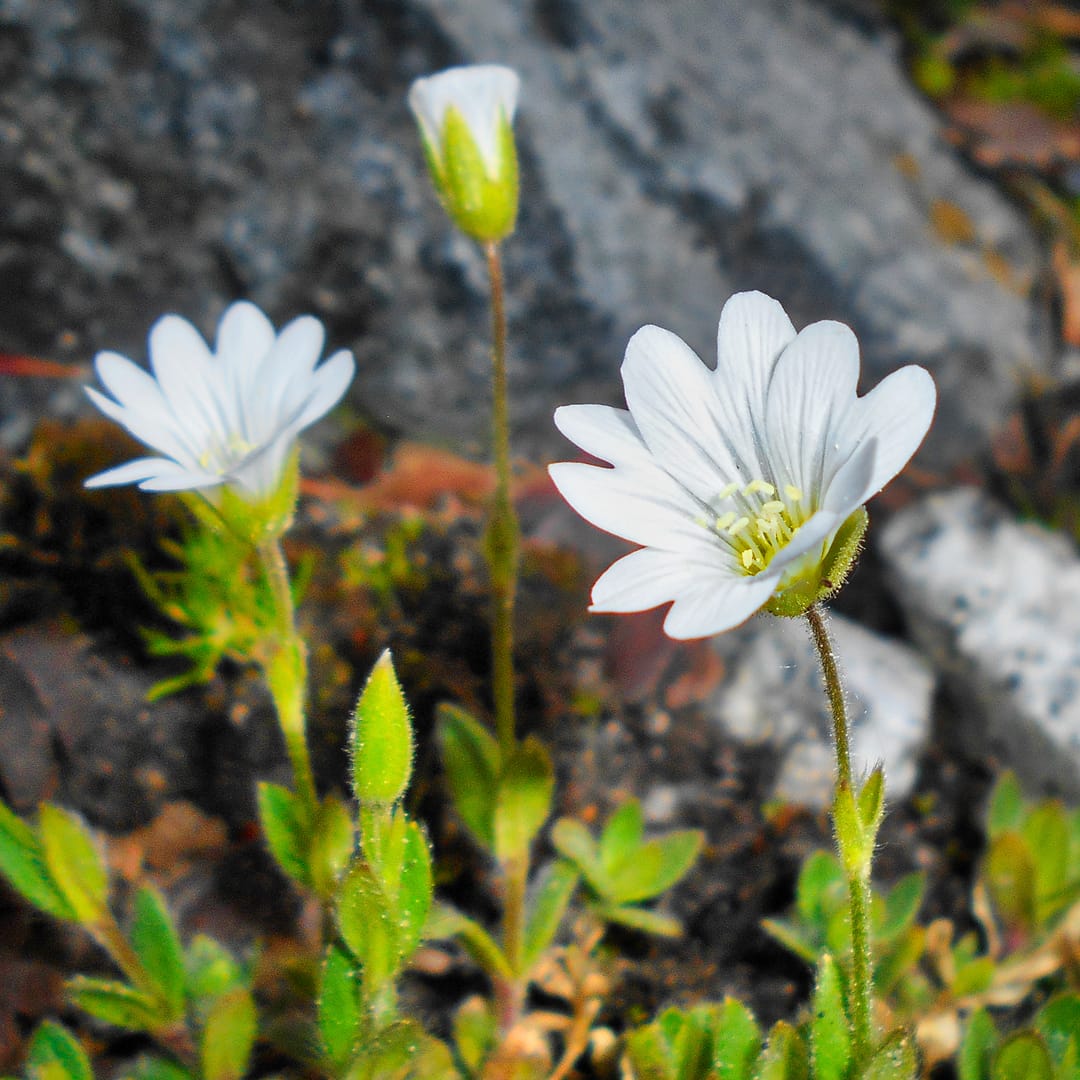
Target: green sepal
[472, 761]
[256, 521]
[785, 1056]
[830, 1031]
[116, 1003]
[1023, 1056]
[526, 784]
[157, 944]
[856, 847]
[482, 205]
[339, 1008]
[872, 802]
[333, 839]
[284, 824]
[74, 862]
[55, 1052]
[22, 862]
[381, 738]
[822, 581]
[229, 1036]
[547, 905]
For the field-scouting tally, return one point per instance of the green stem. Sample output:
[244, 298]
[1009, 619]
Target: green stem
[503, 524]
[286, 673]
[859, 877]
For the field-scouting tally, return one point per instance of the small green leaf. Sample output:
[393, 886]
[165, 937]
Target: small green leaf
[471, 758]
[365, 917]
[1058, 1022]
[381, 738]
[853, 841]
[210, 969]
[526, 784]
[973, 977]
[621, 836]
[736, 1042]
[785, 1056]
[157, 944]
[656, 866]
[821, 889]
[1006, 806]
[830, 1032]
[901, 906]
[285, 830]
[22, 862]
[574, 842]
[1046, 831]
[332, 843]
[229, 1036]
[637, 918]
[977, 1048]
[1010, 876]
[872, 801]
[154, 1068]
[692, 1044]
[74, 862]
[650, 1054]
[895, 1059]
[475, 1032]
[548, 902]
[446, 922]
[795, 937]
[1022, 1057]
[116, 1003]
[55, 1051]
[339, 1012]
[415, 892]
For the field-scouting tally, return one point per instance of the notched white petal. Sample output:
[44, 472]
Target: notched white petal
[607, 433]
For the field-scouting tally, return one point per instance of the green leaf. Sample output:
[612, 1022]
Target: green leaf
[475, 1032]
[821, 889]
[895, 1059]
[637, 918]
[901, 906]
[872, 801]
[381, 738]
[655, 867]
[74, 862]
[332, 843]
[414, 892]
[157, 944]
[784, 1057]
[795, 937]
[55, 1051]
[22, 862]
[854, 843]
[1010, 876]
[447, 922]
[1022, 1057]
[1006, 806]
[650, 1054]
[691, 1044]
[548, 903]
[973, 977]
[229, 1036]
[977, 1048]
[1046, 831]
[210, 969]
[285, 830]
[830, 1032]
[526, 784]
[116, 1003]
[574, 842]
[471, 758]
[154, 1068]
[622, 836]
[736, 1042]
[365, 917]
[339, 1012]
[1058, 1022]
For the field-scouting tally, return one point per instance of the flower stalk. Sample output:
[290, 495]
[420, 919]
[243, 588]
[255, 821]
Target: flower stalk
[503, 533]
[855, 856]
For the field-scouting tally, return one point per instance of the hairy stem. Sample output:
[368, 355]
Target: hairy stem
[859, 877]
[503, 525]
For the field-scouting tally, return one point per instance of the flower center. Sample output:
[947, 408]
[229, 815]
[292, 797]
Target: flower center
[222, 457]
[759, 522]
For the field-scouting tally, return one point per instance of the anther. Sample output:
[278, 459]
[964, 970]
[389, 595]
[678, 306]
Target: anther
[759, 485]
[724, 520]
[793, 493]
[727, 491]
[737, 527]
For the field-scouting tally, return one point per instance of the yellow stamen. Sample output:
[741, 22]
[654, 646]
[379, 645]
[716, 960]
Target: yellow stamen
[724, 520]
[727, 491]
[793, 493]
[737, 527]
[748, 558]
[759, 485]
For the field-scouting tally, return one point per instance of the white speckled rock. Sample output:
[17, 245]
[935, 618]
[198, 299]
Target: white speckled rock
[775, 696]
[996, 603]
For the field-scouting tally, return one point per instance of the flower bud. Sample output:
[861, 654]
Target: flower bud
[465, 116]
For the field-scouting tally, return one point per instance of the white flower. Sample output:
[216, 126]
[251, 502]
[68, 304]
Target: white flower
[737, 481]
[484, 94]
[227, 417]
[466, 116]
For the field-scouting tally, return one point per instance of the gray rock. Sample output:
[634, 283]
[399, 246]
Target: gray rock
[774, 697]
[172, 155]
[996, 604]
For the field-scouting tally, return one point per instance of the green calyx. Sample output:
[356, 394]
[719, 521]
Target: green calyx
[482, 203]
[824, 579]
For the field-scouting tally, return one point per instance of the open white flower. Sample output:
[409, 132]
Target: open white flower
[466, 117]
[744, 484]
[227, 417]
